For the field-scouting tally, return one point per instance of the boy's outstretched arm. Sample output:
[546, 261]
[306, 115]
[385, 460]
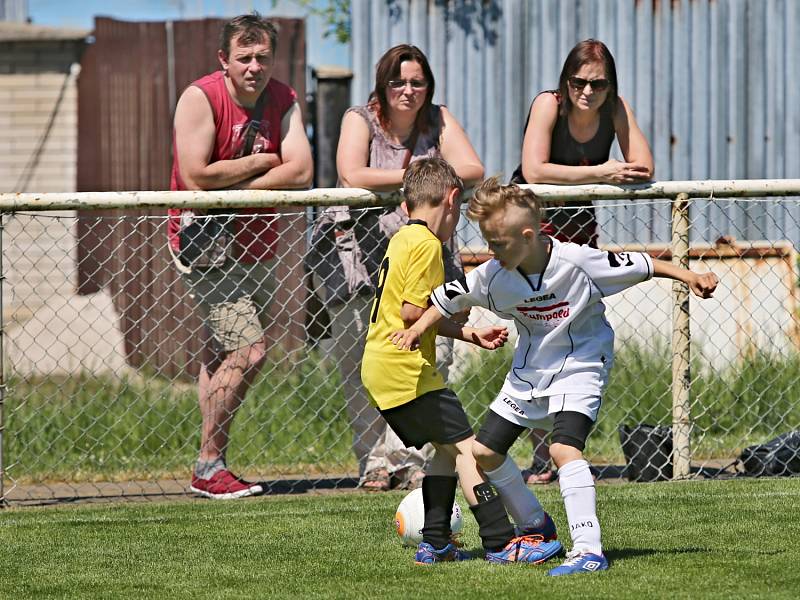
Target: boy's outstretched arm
[408, 339]
[490, 338]
[701, 284]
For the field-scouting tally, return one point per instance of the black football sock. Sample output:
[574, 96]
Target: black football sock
[493, 525]
[438, 495]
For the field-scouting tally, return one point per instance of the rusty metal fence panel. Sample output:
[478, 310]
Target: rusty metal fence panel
[89, 412]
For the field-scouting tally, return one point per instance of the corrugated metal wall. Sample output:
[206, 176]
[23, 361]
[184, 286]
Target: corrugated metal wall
[713, 84]
[13, 10]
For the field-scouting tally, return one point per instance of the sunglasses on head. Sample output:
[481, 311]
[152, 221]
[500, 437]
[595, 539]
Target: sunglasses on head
[416, 84]
[579, 83]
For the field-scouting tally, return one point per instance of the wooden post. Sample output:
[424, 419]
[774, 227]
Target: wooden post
[332, 99]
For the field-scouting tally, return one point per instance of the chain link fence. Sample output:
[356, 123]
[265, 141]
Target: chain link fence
[102, 346]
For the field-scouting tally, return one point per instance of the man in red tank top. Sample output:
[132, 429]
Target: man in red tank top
[220, 142]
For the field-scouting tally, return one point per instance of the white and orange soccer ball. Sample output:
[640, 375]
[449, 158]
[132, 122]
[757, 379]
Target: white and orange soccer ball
[410, 518]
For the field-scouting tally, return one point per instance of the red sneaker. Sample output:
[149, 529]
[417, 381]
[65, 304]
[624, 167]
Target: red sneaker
[224, 485]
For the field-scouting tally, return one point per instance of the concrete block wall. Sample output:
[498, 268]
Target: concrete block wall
[37, 87]
[38, 145]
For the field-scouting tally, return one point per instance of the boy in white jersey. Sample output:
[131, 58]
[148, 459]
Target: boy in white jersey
[553, 291]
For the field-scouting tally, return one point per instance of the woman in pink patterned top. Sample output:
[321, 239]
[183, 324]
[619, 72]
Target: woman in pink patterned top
[398, 125]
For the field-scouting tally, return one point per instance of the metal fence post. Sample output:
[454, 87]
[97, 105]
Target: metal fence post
[2, 369]
[681, 379]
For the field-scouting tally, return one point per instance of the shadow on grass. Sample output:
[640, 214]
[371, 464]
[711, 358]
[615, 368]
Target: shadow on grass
[301, 486]
[706, 472]
[270, 487]
[626, 553]
[95, 499]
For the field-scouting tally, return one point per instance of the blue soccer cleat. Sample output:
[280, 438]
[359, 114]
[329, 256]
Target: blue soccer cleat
[580, 562]
[547, 530]
[526, 549]
[428, 555]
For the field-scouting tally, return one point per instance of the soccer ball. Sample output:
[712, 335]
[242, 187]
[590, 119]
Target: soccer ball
[410, 518]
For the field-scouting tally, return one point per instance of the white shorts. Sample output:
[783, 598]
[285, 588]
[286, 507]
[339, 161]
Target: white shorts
[537, 413]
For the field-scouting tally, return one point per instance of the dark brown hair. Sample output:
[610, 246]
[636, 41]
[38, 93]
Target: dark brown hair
[428, 181]
[388, 68]
[249, 29]
[588, 51]
[491, 197]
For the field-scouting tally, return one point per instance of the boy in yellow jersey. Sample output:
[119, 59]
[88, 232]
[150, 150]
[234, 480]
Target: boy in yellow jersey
[409, 392]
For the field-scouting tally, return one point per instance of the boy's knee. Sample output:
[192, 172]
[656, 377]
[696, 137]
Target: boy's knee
[485, 456]
[450, 450]
[564, 453]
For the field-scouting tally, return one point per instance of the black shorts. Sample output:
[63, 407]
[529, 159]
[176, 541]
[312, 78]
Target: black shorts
[436, 417]
[497, 433]
[569, 428]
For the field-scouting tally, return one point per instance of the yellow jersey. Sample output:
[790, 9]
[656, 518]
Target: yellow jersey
[410, 271]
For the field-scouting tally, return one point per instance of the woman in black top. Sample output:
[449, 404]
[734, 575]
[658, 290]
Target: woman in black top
[569, 134]
[568, 140]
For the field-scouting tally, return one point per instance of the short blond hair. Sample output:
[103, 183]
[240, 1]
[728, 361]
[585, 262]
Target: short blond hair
[491, 197]
[428, 181]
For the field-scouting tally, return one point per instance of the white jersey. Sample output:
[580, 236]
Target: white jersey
[565, 344]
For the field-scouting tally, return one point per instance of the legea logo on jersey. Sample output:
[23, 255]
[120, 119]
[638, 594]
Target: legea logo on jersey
[541, 298]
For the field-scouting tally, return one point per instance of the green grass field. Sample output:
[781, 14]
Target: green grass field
[705, 539]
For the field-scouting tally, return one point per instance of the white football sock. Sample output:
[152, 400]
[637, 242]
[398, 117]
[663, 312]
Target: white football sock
[580, 502]
[521, 503]
[205, 469]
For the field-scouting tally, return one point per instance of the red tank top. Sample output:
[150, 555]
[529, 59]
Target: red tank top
[256, 237]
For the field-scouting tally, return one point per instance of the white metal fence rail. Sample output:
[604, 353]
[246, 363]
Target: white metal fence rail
[94, 399]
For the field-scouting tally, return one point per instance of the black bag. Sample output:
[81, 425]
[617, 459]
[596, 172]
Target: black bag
[335, 257]
[207, 241]
[648, 452]
[779, 456]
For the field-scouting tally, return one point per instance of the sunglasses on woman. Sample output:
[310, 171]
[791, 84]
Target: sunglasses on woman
[578, 83]
[416, 84]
